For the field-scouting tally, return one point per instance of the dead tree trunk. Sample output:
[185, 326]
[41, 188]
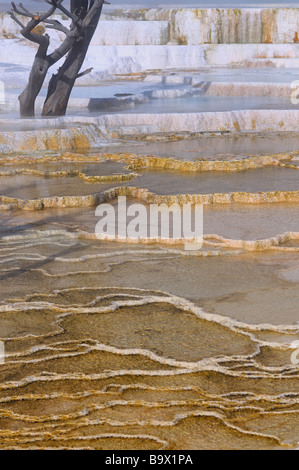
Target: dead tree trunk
[36, 79]
[85, 15]
[40, 65]
[62, 83]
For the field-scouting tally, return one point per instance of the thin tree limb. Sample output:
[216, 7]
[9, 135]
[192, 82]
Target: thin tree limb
[55, 24]
[26, 31]
[86, 72]
[57, 4]
[20, 12]
[27, 12]
[13, 16]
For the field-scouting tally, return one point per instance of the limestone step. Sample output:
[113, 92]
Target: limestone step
[186, 26]
[111, 33]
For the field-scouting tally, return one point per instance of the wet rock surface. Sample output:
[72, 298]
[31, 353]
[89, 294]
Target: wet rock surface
[139, 343]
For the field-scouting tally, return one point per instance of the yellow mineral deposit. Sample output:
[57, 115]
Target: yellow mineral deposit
[153, 369]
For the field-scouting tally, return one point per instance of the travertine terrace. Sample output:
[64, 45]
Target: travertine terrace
[138, 343]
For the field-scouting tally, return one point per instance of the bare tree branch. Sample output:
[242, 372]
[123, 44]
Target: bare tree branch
[27, 12]
[55, 24]
[86, 72]
[20, 11]
[13, 16]
[71, 37]
[26, 31]
[57, 4]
